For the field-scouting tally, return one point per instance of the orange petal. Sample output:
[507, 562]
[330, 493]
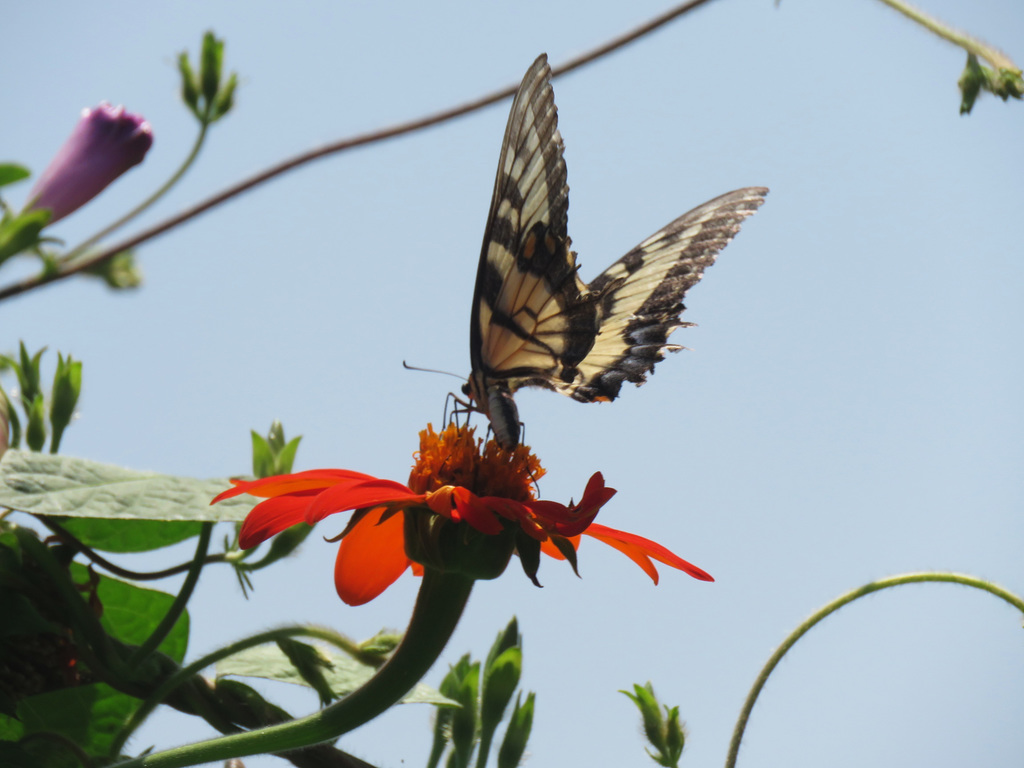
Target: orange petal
[278, 485]
[371, 558]
[640, 550]
[271, 517]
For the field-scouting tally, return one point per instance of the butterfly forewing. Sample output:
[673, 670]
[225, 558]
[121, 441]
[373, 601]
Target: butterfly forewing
[529, 322]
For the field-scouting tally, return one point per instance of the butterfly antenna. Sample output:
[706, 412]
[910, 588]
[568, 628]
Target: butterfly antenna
[430, 370]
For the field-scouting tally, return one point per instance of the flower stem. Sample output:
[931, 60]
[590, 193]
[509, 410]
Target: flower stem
[439, 606]
[183, 675]
[835, 605]
[180, 601]
[81, 248]
[979, 48]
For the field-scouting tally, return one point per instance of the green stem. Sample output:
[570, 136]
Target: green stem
[835, 605]
[183, 675]
[163, 190]
[180, 601]
[439, 606]
[979, 48]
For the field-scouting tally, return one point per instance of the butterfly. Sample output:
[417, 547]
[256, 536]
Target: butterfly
[534, 321]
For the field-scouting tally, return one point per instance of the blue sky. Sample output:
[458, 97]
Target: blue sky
[848, 408]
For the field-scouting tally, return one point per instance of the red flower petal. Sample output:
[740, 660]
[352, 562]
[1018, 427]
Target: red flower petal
[270, 517]
[344, 496]
[596, 494]
[640, 550]
[278, 485]
[479, 511]
[371, 558]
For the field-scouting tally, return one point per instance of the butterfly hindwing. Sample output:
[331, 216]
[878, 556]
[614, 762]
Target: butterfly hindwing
[641, 294]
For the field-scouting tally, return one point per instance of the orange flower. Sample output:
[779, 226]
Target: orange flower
[468, 507]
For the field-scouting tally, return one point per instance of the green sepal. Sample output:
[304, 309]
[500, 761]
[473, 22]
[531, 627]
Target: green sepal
[10, 425]
[271, 455]
[35, 433]
[225, 99]
[20, 233]
[528, 549]
[310, 664]
[567, 549]
[675, 736]
[500, 681]
[189, 83]
[28, 374]
[465, 718]
[12, 172]
[650, 712]
[210, 61]
[513, 747]
[262, 456]
[381, 644]
[501, 673]
[971, 81]
[119, 272]
[67, 385]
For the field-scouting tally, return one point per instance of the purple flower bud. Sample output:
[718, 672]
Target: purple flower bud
[106, 142]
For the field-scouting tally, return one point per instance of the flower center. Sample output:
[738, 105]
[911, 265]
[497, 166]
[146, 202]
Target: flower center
[456, 457]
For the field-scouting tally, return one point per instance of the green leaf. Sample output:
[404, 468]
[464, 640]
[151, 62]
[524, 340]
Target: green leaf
[11, 172]
[63, 485]
[344, 675]
[131, 613]
[128, 535]
[89, 715]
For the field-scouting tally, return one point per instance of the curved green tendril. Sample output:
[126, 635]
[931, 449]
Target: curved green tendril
[439, 605]
[835, 605]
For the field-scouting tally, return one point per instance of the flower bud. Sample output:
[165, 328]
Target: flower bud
[106, 142]
[518, 733]
[67, 385]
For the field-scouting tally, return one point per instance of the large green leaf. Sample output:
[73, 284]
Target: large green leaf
[131, 613]
[89, 715]
[61, 485]
[127, 535]
[344, 674]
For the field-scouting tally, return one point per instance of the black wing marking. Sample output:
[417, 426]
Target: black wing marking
[530, 321]
[641, 295]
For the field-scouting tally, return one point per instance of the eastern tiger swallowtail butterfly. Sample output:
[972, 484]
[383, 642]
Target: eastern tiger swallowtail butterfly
[534, 322]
